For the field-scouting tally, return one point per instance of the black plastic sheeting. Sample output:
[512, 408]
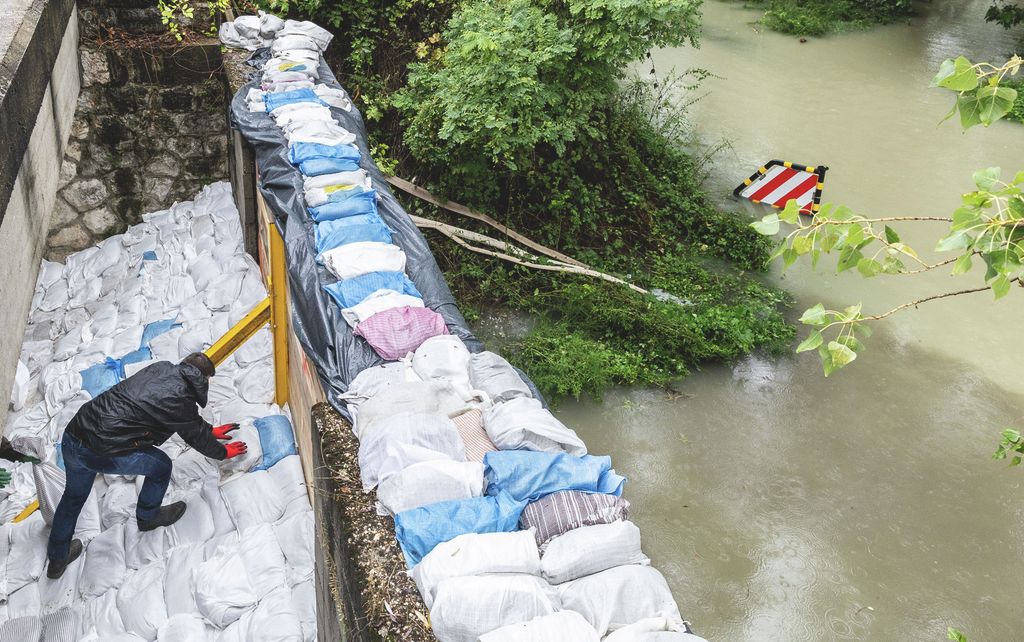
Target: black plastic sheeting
[328, 340]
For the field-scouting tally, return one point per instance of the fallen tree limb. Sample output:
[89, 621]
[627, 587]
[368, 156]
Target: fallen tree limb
[452, 206]
[507, 252]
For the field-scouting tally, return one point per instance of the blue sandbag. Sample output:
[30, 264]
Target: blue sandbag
[102, 376]
[528, 475]
[342, 235]
[352, 291]
[277, 439]
[277, 99]
[155, 329]
[421, 529]
[301, 152]
[149, 255]
[321, 166]
[364, 202]
[142, 354]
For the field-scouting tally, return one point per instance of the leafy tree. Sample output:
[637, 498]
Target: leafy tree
[519, 78]
[1007, 14]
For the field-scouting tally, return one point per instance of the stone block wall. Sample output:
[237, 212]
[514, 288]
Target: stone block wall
[149, 127]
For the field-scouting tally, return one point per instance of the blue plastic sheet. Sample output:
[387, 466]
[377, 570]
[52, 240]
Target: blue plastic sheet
[102, 376]
[155, 329]
[273, 100]
[321, 166]
[149, 255]
[353, 291]
[528, 475]
[302, 152]
[354, 204]
[142, 354]
[343, 235]
[277, 439]
[421, 529]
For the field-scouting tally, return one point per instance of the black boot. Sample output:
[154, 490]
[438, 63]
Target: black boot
[168, 515]
[57, 568]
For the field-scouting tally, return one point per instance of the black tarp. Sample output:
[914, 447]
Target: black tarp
[329, 343]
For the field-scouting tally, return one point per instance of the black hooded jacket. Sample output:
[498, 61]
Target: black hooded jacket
[145, 410]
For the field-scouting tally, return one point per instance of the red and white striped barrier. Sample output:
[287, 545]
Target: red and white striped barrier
[778, 182]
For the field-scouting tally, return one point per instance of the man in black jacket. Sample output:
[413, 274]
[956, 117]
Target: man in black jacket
[118, 432]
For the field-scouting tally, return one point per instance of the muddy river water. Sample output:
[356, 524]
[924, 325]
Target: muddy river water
[783, 506]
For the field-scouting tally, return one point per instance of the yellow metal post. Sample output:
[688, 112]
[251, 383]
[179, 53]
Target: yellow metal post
[240, 333]
[279, 313]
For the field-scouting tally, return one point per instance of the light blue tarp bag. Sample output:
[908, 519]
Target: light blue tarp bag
[321, 166]
[277, 439]
[353, 291]
[155, 329]
[336, 236]
[274, 100]
[354, 204]
[421, 529]
[302, 152]
[102, 376]
[528, 476]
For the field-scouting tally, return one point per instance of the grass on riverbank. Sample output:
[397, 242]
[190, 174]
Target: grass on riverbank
[821, 17]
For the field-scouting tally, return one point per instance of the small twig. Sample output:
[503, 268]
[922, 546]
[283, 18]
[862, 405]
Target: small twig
[934, 297]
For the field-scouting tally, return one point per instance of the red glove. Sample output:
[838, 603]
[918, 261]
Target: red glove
[235, 448]
[221, 432]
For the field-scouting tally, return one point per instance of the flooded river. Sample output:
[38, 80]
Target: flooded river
[783, 506]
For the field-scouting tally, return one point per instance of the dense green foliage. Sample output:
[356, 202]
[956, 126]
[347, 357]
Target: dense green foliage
[819, 17]
[520, 108]
[1007, 14]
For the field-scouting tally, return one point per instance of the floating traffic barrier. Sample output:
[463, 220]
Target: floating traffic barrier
[777, 182]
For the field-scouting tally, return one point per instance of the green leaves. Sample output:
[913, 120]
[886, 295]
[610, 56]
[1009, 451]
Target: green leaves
[842, 350]
[814, 316]
[980, 99]
[769, 225]
[987, 179]
[1010, 444]
[955, 635]
[958, 75]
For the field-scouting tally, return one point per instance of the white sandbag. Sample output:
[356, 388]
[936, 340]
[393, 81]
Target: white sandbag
[443, 357]
[255, 384]
[476, 554]
[56, 296]
[263, 559]
[524, 424]
[5, 551]
[105, 566]
[204, 271]
[104, 320]
[397, 442]
[185, 628]
[191, 470]
[49, 482]
[49, 272]
[355, 259]
[24, 602]
[467, 607]
[140, 601]
[423, 397]
[197, 337]
[591, 549]
[230, 468]
[429, 482]
[195, 526]
[222, 522]
[304, 602]
[619, 597]
[165, 346]
[378, 301]
[223, 591]
[257, 348]
[373, 380]
[564, 626]
[224, 291]
[101, 615]
[655, 629]
[287, 476]
[27, 552]
[295, 538]
[179, 592]
[61, 389]
[62, 592]
[127, 340]
[20, 388]
[273, 620]
[88, 291]
[142, 547]
[62, 625]
[253, 499]
[118, 503]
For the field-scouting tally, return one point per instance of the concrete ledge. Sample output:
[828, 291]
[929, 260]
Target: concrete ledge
[24, 72]
[363, 592]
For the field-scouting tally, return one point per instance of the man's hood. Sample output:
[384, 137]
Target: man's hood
[197, 380]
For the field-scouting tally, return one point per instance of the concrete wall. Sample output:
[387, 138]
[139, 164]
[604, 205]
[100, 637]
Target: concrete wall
[26, 217]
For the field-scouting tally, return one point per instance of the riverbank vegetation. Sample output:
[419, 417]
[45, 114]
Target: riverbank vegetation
[821, 17]
[520, 109]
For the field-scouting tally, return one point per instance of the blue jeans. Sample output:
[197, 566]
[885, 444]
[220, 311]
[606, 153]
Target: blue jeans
[81, 466]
